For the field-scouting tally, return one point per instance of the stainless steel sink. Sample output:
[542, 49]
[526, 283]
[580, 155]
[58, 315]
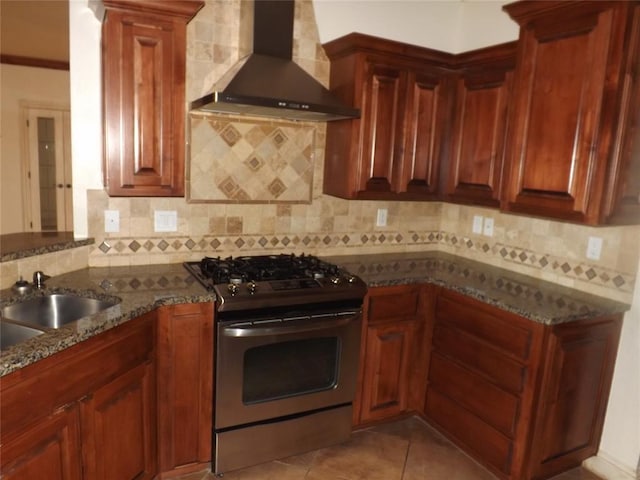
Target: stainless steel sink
[54, 310]
[11, 334]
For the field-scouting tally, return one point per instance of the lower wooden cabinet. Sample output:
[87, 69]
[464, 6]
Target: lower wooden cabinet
[525, 399]
[87, 412]
[392, 316]
[185, 387]
[52, 445]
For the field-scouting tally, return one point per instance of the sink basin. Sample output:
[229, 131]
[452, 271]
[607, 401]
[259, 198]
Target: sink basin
[54, 310]
[11, 334]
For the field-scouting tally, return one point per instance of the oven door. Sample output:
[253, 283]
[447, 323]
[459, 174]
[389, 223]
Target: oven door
[277, 367]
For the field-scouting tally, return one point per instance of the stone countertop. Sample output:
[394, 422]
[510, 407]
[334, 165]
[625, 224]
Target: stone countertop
[537, 300]
[140, 289]
[143, 288]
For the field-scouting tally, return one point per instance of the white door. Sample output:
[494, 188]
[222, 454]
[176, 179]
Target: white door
[48, 173]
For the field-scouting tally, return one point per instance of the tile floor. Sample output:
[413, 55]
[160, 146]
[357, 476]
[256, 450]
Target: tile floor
[403, 450]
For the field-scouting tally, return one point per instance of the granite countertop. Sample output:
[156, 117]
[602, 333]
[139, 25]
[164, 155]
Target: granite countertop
[140, 289]
[537, 300]
[143, 288]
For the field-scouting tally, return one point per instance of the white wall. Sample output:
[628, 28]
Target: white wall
[450, 26]
[38, 86]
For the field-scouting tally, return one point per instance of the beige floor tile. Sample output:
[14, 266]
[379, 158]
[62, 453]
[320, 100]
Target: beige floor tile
[366, 456]
[268, 471]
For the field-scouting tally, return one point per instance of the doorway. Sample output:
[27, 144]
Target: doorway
[47, 170]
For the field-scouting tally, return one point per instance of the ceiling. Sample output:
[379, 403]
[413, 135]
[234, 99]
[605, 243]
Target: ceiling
[35, 28]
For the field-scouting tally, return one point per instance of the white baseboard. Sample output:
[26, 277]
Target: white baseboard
[608, 469]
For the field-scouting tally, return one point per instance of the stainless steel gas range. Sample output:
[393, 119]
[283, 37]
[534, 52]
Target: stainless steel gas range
[287, 348]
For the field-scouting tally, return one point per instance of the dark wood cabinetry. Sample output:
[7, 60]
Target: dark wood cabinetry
[86, 412]
[571, 107]
[393, 316]
[143, 57]
[185, 387]
[394, 150]
[525, 399]
[483, 86]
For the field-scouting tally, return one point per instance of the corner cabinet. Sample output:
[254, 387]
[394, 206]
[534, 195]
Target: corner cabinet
[143, 58]
[394, 150]
[483, 88]
[573, 138]
[392, 338]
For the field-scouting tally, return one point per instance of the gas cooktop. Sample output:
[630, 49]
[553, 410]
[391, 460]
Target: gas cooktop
[251, 282]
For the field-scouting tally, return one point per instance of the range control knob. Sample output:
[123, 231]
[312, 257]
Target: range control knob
[233, 288]
[351, 278]
[252, 287]
[336, 279]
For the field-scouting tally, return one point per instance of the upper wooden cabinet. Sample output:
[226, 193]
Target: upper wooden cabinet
[483, 85]
[143, 57]
[573, 126]
[394, 150]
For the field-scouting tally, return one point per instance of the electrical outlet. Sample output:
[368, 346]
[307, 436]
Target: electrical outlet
[165, 220]
[594, 248]
[111, 221]
[477, 224]
[488, 227]
[381, 219]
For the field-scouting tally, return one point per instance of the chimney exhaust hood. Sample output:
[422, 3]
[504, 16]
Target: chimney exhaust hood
[268, 82]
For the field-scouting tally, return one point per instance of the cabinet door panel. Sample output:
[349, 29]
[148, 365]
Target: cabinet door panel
[50, 448]
[422, 147]
[557, 115]
[479, 137]
[386, 370]
[493, 405]
[381, 127]
[117, 448]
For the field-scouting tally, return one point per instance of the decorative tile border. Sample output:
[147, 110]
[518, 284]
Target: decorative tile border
[187, 248]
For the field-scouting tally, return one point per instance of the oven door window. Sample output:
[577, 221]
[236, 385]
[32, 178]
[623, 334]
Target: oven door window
[286, 369]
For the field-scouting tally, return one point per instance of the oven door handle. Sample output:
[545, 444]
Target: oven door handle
[285, 327]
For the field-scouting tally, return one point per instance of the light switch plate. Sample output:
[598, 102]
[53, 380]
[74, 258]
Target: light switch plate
[488, 227]
[381, 219]
[594, 248]
[111, 221]
[165, 221]
[477, 224]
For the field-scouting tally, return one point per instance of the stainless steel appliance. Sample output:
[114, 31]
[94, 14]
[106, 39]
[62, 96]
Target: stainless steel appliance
[288, 341]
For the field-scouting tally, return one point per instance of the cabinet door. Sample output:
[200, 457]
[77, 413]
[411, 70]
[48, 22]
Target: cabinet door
[185, 386]
[479, 137]
[382, 118]
[425, 120]
[386, 370]
[558, 147]
[144, 109]
[49, 448]
[577, 380]
[118, 427]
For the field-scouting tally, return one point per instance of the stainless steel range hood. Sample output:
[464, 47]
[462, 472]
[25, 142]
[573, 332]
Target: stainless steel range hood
[268, 82]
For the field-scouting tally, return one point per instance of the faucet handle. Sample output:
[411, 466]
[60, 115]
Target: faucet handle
[39, 278]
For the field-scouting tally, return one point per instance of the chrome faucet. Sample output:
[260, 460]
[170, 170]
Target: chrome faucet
[39, 278]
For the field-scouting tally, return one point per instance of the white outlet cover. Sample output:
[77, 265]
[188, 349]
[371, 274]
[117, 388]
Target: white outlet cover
[165, 221]
[477, 224]
[111, 221]
[488, 227]
[594, 248]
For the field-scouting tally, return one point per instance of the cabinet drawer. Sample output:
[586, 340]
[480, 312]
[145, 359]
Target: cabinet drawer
[480, 357]
[480, 440]
[493, 405]
[505, 331]
[392, 303]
